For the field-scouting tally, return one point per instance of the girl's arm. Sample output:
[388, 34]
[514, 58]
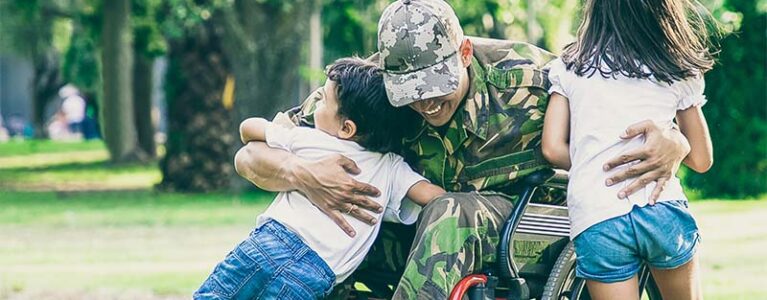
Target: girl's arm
[253, 130]
[693, 125]
[423, 192]
[556, 132]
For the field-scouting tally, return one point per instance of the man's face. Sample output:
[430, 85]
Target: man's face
[438, 111]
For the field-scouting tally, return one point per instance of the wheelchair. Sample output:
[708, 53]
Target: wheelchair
[536, 259]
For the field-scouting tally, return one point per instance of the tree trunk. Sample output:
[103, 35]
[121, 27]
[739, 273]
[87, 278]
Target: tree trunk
[315, 44]
[200, 131]
[142, 103]
[117, 57]
[46, 83]
[267, 61]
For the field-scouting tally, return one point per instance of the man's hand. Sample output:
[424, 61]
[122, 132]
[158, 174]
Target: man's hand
[658, 159]
[329, 186]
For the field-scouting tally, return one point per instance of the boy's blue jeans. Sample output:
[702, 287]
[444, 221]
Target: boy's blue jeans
[272, 263]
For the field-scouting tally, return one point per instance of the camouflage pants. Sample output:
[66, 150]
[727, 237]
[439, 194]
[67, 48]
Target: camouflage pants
[456, 235]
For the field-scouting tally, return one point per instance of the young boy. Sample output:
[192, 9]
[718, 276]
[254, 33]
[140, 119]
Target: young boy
[296, 251]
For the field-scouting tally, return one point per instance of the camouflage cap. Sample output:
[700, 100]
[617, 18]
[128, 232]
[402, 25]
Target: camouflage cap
[418, 41]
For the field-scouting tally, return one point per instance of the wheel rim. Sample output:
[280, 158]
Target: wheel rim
[572, 288]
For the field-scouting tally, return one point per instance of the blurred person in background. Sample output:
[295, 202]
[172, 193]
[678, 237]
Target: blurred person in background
[73, 109]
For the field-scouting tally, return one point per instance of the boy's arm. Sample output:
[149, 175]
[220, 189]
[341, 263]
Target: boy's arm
[556, 132]
[693, 125]
[423, 192]
[253, 130]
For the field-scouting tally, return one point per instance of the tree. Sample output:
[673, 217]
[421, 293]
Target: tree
[255, 46]
[28, 30]
[737, 108]
[200, 128]
[148, 44]
[265, 63]
[117, 63]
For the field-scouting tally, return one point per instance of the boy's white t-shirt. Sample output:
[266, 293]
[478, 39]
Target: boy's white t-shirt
[600, 111]
[387, 172]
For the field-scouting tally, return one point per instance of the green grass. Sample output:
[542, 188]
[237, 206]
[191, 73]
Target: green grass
[64, 166]
[733, 248]
[140, 241]
[72, 226]
[31, 147]
[127, 209]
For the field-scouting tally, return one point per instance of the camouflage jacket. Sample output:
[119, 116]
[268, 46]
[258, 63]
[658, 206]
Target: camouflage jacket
[494, 137]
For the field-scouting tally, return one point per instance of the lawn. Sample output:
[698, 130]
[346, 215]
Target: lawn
[73, 226]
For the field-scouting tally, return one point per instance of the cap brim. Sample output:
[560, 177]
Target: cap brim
[435, 81]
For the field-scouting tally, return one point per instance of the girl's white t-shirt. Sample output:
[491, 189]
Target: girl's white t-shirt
[387, 172]
[600, 111]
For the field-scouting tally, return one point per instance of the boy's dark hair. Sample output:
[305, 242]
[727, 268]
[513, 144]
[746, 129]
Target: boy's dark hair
[665, 39]
[362, 99]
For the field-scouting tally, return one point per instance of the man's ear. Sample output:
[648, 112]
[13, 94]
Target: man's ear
[467, 52]
[348, 130]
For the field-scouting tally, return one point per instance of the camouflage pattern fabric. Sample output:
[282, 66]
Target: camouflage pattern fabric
[495, 138]
[457, 235]
[419, 50]
[492, 140]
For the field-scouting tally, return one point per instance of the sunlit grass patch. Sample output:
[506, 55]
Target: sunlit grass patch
[98, 245]
[31, 147]
[128, 208]
[733, 247]
[59, 166]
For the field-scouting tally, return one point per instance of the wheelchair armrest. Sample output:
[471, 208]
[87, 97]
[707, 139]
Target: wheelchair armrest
[538, 177]
[560, 177]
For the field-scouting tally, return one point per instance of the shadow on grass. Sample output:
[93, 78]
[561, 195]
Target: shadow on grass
[128, 208]
[80, 176]
[83, 166]
[31, 147]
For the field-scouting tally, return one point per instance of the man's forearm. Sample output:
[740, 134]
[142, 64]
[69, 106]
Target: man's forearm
[268, 168]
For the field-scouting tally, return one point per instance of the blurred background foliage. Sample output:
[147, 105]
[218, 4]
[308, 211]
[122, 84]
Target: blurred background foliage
[230, 59]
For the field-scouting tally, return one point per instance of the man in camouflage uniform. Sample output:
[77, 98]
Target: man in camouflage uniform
[490, 139]
[482, 101]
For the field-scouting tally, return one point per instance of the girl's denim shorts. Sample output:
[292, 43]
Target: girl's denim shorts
[663, 235]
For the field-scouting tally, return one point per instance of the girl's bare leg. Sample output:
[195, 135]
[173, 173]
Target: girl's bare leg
[681, 283]
[628, 290]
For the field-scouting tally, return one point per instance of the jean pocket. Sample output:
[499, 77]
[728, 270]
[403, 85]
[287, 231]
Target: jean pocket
[293, 289]
[605, 239]
[238, 268]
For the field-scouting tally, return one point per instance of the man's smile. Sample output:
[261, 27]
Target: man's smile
[433, 111]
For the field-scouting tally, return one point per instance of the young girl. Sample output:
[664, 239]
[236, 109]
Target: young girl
[634, 60]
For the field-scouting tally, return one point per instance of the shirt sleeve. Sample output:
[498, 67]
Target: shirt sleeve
[280, 136]
[690, 92]
[400, 209]
[557, 70]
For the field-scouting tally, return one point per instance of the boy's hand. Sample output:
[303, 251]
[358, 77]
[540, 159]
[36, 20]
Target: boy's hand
[658, 160]
[328, 185]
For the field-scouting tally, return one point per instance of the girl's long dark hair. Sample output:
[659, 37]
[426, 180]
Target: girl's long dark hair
[665, 39]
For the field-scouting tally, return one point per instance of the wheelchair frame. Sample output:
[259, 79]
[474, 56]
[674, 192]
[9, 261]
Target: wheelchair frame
[561, 282]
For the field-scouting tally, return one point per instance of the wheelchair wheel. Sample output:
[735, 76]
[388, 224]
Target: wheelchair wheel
[562, 283]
